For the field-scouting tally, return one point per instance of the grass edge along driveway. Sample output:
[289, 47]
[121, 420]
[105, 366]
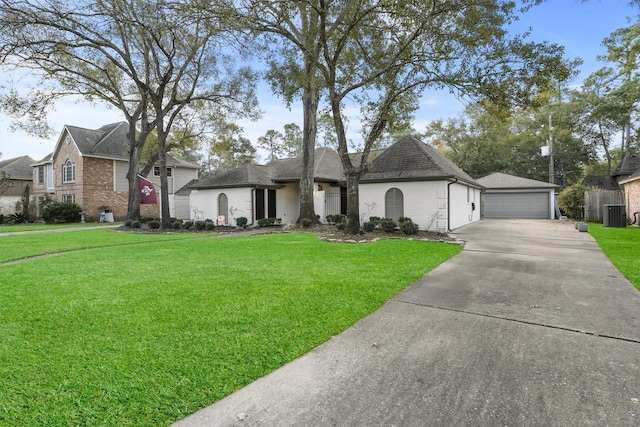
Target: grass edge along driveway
[621, 245]
[145, 334]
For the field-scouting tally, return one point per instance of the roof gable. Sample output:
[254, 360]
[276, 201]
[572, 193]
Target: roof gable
[501, 180]
[18, 167]
[109, 141]
[412, 159]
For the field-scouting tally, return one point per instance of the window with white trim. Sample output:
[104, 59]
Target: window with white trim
[68, 172]
[156, 171]
[40, 175]
[68, 198]
[394, 204]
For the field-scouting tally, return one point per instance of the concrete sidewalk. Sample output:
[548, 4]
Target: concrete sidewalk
[530, 325]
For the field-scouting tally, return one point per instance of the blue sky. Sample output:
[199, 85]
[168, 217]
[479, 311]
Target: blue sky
[578, 26]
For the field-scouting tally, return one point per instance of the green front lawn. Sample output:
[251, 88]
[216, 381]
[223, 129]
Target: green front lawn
[145, 333]
[8, 228]
[622, 246]
[13, 247]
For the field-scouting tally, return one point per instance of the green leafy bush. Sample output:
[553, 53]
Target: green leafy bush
[571, 201]
[136, 224]
[199, 225]
[127, 223]
[368, 226]
[268, 222]
[176, 224]
[408, 227]
[242, 222]
[306, 222]
[339, 219]
[187, 225]
[388, 225]
[61, 212]
[154, 225]
[209, 225]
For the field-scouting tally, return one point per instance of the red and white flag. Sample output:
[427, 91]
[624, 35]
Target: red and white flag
[148, 194]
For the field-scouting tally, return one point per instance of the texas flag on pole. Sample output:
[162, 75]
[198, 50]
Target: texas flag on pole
[148, 195]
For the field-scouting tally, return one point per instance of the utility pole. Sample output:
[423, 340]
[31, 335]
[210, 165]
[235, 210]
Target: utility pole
[551, 168]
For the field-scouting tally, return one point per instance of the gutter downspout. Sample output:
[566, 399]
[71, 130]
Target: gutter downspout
[449, 203]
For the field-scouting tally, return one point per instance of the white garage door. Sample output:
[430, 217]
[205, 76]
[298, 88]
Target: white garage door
[516, 205]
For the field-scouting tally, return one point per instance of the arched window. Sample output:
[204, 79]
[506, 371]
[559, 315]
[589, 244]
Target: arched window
[68, 172]
[394, 204]
[223, 208]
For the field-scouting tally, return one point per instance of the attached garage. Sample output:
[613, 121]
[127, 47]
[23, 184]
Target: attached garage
[508, 196]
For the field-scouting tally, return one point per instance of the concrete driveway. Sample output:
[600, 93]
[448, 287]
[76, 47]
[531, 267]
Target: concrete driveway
[530, 326]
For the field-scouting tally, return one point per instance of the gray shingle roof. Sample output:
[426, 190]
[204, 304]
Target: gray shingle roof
[326, 164]
[500, 180]
[18, 167]
[109, 141]
[411, 159]
[605, 182]
[248, 175]
[327, 167]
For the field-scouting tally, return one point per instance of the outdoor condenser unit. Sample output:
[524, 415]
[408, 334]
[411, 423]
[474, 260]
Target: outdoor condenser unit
[614, 216]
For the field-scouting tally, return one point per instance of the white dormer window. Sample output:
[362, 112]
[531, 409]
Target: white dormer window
[156, 171]
[68, 172]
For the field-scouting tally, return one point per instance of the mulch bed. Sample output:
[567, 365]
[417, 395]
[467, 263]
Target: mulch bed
[327, 233]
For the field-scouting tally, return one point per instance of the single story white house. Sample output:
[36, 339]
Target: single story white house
[508, 196]
[408, 179]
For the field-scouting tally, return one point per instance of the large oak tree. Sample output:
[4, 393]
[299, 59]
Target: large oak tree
[156, 61]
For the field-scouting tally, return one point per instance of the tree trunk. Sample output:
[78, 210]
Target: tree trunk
[135, 152]
[309, 131]
[165, 215]
[353, 202]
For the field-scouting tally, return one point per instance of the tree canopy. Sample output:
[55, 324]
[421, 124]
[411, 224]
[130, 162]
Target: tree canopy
[157, 62]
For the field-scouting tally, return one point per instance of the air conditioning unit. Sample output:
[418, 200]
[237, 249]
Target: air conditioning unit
[614, 216]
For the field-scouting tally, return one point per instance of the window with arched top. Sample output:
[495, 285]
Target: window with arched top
[68, 172]
[223, 206]
[393, 204]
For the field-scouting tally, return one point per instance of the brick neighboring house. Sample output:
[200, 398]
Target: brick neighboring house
[89, 167]
[631, 187]
[19, 171]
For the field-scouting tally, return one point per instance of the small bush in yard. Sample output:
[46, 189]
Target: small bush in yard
[187, 225]
[368, 226]
[127, 223]
[199, 225]
[339, 219]
[306, 222]
[209, 225]
[61, 212]
[176, 224]
[154, 225]
[135, 224]
[388, 225]
[242, 222]
[571, 200]
[408, 227]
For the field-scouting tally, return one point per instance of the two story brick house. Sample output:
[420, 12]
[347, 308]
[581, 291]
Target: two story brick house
[89, 167]
[18, 170]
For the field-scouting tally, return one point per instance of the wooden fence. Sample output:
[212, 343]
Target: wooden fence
[595, 200]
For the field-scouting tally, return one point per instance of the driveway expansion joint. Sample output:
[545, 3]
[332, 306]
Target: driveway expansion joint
[512, 319]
